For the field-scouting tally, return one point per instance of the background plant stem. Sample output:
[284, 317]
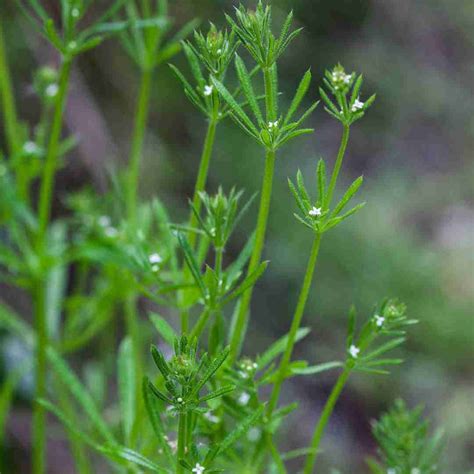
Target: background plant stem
[239, 329]
[136, 153]
[44, 212]
[200, 186]
[51, 160]
[8, 101]
[133, 176]
[39, 414]
[323, 420]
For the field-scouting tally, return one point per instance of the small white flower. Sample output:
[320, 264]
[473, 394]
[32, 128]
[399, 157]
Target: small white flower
[104, 221]
[243, 375]
[30, 148]
[354, 351]
[208, 90]
[52, 90]
[244, 398]
[357, 105]
[347, 79]
[173, 444]
[219, 51]
[210, 417]
[272, 125]
[415, 470]
[75, 12]
[315, 211]
[155, 258]
[379, 320]
[198, 469]
[180, 400]
[254, 434]
[111, 231]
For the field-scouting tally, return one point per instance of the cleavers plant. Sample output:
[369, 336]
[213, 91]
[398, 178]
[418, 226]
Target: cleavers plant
[207, 409]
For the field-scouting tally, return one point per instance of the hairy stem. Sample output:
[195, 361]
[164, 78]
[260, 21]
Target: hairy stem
[241, 321]
[136, 152]
[323, 420]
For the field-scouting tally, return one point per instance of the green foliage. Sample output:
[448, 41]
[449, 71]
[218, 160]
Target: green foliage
[315, 214]
[253, 27]
[389, 321]
[405, 445]
[206, 410]
[346, 91]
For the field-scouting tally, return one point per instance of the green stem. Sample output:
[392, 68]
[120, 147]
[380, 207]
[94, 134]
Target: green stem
[323, 420]
[141, 118]
[285, 361]
[51, 160]
[201, 324]
[133, 331]
[239, 328]
[181, 452]
[39, 414]
[199, 187]
[202, 174]
[338, 164]
[81, 460]
[295, 325]
[8, 101]
[44, 212]
[241, 321]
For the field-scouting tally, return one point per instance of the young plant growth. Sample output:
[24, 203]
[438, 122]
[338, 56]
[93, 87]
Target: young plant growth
[204, 407]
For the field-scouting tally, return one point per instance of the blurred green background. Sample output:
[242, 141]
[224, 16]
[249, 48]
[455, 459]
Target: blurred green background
[413, 240]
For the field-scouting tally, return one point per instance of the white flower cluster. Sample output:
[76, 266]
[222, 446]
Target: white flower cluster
[109, 230]
[272, 125]
[379, 320]
[244, 399]
[247, 368]
[208, 90]
[354, 351]
[52, 90]
[155, 260]
[315, 211]
[30, 148]
[198, 469]
[340, 78]
[210, 417]
[357, 105]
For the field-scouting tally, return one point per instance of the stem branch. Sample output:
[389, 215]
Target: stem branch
[323, 420]
[141, 118]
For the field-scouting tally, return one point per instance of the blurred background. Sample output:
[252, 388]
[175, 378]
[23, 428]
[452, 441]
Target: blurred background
[413, 240]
